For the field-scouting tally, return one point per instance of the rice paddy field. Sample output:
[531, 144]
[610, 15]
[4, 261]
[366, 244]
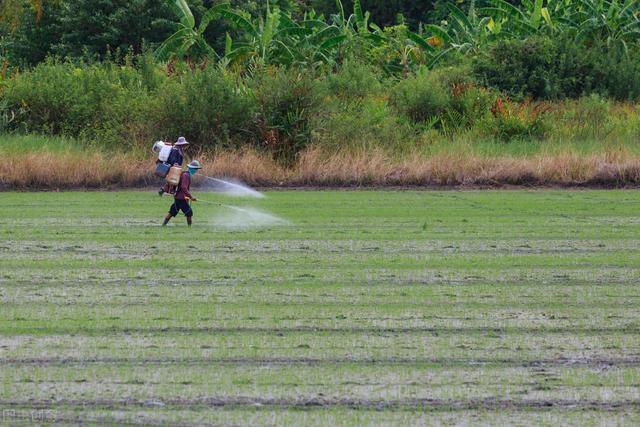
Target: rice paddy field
[321, 308]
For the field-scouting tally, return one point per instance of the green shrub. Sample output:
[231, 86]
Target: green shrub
[583, 119]
[520, 68]
[617, 75]
[512, 121]
[594, 119]
[365, 123]
[511, 128]
[286, 100]
[549, 69]
[48, 99]
[421, 97]
[78, 101]
[7, 116]
[210, 107]
[469, 104]
[453, 77]
[354, 80]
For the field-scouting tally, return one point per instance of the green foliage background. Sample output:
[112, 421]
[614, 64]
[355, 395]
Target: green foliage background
[285, 74]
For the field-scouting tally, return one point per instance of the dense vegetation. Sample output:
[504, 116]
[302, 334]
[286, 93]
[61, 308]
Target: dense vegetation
[281, 75]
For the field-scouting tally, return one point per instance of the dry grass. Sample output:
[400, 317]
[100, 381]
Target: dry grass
[377, 168]
[247, 165]
[66, 170]
[317, 167]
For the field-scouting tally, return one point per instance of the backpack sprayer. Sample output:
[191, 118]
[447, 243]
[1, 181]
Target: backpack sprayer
[170, 173]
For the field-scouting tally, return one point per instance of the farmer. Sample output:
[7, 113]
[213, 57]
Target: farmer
[183, 196]
[176, 158]
[177, 152]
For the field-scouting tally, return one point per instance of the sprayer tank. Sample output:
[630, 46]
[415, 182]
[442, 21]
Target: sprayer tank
[163, 156]
[173, 177]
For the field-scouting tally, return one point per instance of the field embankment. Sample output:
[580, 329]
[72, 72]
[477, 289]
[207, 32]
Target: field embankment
[320, 167]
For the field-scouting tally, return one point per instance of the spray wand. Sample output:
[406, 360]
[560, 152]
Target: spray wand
[222, 205]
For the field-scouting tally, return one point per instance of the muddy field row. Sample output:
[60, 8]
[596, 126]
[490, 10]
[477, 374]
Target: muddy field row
[149, 415]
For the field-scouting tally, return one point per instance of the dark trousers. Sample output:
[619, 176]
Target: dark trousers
[181, 205]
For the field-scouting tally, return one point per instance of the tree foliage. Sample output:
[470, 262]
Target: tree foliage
[294, 33]
[95, 26]
[88, 28]
[12, 11]
[387, 12]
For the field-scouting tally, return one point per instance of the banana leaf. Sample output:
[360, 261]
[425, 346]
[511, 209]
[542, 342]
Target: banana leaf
[171, 46]
[417, 39]
[210, 15]
[333, 42]
[239, 21]
[182, 10]
[536, 15]
[438, 32]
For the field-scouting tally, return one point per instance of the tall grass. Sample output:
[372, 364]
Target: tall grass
[22, 144]
[50, 170]
[459, 168]
[317, 166]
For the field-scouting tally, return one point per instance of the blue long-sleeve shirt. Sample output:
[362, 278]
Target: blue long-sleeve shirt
[176, 156]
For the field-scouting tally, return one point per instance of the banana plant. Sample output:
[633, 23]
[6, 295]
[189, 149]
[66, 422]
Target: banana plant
[278, 39]
[401, 46]
[260, 42]
[189, 39]
[615, 21]
[463, 32]
[516, 21]
[356, 23]
[400, 50]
